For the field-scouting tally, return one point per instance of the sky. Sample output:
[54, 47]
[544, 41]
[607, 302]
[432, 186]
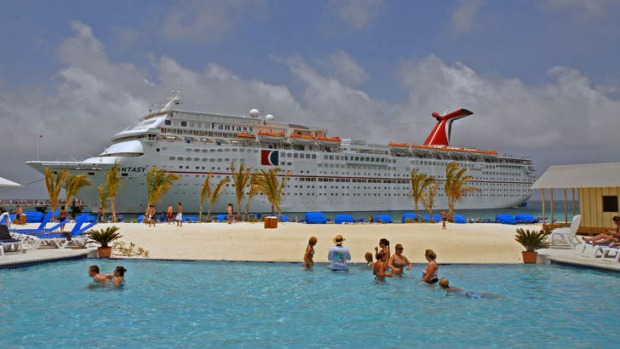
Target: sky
[541, 76]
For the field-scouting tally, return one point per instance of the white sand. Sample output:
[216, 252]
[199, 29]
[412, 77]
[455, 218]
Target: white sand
[460, 243]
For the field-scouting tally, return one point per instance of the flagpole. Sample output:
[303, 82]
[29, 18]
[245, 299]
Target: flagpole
[39, 145]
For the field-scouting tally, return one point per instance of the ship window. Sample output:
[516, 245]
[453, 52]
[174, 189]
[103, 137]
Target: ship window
[168, 122]
[91, 173]
[172, 158]
[183, 123]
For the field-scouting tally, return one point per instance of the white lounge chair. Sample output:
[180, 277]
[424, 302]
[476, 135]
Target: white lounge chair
[611, 253]
[566, 237]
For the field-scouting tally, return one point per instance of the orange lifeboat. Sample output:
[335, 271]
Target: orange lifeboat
[329, 141]
[271, 137]
[399, 147]
[245, 135]
[301, 139]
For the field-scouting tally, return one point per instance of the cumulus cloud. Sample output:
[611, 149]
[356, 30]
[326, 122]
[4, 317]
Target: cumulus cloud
[347, 69]
[464, 15]
[92, 97]
[585, 9]
[357, 14]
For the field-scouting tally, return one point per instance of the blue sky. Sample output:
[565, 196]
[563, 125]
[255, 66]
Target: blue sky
[541, 76]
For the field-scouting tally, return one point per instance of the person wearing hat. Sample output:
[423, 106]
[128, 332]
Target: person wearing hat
[338, 255]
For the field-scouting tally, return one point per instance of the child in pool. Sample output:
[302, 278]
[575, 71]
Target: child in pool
[445, 284]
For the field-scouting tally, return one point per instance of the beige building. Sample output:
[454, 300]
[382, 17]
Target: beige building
[595, 187]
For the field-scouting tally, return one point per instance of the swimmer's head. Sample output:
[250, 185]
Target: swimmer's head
[444, 283]
[338, 240]
[92, 270]
[384, 242]
[368, 257]
[430, 255]
[313, 240]
[380, 255]
[120, 270]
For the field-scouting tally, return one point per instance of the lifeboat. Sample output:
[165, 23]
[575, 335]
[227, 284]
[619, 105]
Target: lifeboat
[302, 139]
[329, 141]
[245, 135]
[399, 147]
[271, 137]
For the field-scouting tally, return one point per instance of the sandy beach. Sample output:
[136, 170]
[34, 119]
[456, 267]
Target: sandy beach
[460, 243]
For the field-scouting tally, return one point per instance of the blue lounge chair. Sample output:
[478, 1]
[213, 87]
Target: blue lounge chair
[62, 240]
[40, 228]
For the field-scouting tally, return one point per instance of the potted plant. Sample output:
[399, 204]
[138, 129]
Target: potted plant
[105, 236]
[531, 240]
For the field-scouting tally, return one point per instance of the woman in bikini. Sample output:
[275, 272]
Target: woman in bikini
[612, 236]
[429, 274]
[309, 254]
[384, 246]
[398, 262]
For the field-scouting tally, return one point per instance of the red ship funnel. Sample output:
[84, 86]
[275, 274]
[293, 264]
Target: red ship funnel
[440, 135]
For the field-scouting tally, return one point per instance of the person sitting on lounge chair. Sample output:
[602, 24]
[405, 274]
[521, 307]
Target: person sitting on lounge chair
[610, 237]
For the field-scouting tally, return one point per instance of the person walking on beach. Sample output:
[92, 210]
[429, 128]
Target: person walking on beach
[444, 218]
[100, 215]
[309, 254]
[179, 218]
[338, 255]
[150, 216]
[231, 213]
[169, 214]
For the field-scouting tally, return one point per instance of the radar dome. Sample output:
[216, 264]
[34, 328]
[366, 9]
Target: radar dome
[268, 117]
[254, 113]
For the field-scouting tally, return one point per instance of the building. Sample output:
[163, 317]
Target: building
[597, 186]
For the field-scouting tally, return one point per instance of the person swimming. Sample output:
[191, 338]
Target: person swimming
[445, 284]
[119, 276]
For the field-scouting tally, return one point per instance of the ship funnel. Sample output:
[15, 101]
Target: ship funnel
[174, 100]
[440, 135]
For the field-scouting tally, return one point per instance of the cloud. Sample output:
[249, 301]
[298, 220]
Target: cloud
[209, 20]
[347, 69]
[91, 98]
[463, 16]
[357, 14]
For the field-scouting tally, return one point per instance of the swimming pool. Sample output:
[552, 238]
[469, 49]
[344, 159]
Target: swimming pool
[262, 305]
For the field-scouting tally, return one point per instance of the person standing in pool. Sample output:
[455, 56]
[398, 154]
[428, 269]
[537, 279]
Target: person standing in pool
[309, 254]
[119, 276]
[369, 262]
[93, 272]
[429, 274]
[384, 246]
[338, 255]
[398, 262]
[379, 269]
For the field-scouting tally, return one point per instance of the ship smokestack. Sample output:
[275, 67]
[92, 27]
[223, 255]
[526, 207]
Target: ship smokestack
[440, 135]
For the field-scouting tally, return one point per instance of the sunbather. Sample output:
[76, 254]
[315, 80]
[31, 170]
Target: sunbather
[610, 237]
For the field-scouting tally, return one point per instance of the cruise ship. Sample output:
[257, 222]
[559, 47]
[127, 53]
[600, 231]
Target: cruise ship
[328, 173]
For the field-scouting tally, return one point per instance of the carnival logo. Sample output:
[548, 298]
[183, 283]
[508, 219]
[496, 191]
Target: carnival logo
[269, 157]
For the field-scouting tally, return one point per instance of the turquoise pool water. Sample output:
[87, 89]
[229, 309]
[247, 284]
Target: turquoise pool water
[264, 305]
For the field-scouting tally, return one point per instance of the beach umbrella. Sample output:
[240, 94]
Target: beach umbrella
[6, 183]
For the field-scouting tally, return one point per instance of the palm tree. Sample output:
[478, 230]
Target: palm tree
[273, 189]
[428, 199]
[112, 182]
[240, 181]
[158, 182]
[102, 189]
[73, 184]
[419, 183]
[205, 192]
[215, 193]
[254, 190]
[53, 183]
[456, 186]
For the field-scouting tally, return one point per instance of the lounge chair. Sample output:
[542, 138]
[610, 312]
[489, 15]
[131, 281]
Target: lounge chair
[7, 240]
[40, 228]
[566, 237]
[5, 218]
[611, 253]
[62, 240]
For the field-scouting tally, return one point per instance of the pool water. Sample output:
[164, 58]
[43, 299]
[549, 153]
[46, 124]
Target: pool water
[168, 304]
